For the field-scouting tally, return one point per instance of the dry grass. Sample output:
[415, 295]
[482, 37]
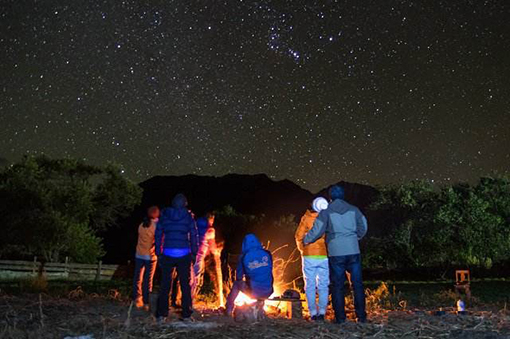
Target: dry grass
[42, 316]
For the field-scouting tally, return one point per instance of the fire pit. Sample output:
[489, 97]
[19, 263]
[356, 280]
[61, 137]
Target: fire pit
[251, 310]
[294, 303]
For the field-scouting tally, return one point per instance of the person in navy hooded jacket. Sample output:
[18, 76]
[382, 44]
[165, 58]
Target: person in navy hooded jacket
[176, 246]
[255, 265]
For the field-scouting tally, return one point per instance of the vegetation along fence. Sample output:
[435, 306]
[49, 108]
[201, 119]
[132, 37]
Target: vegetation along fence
[16, 269]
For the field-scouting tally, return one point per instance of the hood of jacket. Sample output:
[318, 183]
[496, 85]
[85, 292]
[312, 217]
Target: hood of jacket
[339, 206]
[179, 201]
[250, 242]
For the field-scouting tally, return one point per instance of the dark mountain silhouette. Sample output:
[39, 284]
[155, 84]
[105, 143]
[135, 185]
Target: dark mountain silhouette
[247, 194]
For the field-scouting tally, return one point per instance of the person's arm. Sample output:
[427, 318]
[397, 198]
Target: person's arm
[361, 225]
[318, 229]
[300, 235]
[193, 233]
[158, 238]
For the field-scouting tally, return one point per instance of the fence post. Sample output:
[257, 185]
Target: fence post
[66, 268]
[34, 268]
[98, 274]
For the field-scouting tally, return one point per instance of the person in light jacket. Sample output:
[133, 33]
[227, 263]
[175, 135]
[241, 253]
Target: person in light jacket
[145, 259]
[314, 263]
[206, 246]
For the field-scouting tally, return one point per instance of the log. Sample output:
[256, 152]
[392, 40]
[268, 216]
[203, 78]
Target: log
[250, 312]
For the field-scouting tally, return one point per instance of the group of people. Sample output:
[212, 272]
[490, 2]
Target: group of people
[327, 237]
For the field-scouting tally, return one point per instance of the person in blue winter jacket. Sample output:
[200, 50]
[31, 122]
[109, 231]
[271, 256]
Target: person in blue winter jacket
[176, 246]
[255, 265]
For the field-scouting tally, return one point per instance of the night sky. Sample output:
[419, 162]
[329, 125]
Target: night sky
[316, 92]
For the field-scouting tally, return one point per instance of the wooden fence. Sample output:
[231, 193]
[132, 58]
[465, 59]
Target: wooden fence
[16, 269]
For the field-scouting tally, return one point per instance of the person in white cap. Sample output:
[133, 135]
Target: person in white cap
[314, 262]
[344, 226]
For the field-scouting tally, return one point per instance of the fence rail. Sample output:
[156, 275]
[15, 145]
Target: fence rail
[17, 269]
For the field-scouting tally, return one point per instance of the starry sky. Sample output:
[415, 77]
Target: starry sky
[373, 91]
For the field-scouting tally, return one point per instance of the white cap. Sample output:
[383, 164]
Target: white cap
[319, 204]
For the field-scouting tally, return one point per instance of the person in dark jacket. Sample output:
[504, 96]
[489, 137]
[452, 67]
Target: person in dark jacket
[176, 246]
[255, 265]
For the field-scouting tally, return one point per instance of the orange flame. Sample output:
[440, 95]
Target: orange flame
[243, 299]
[219, 274]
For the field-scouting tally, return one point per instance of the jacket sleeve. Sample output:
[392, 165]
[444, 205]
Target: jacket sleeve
[300, 235]
[361, 225]
[193, 233]
[240, 269]
[158, 238]
[318, 229]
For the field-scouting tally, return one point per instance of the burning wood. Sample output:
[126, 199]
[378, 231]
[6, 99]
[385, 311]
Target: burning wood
[252, 312]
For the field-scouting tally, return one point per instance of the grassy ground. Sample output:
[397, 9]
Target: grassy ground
[39, 309]
[440, 294]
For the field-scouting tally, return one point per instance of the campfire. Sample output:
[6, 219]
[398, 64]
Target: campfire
[277, 303]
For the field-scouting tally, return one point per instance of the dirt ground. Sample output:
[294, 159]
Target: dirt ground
[89, 316]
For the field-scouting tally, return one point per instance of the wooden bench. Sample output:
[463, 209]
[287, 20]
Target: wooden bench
[295, 311]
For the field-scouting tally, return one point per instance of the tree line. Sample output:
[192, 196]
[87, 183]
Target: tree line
[53, 208]
[426, 226]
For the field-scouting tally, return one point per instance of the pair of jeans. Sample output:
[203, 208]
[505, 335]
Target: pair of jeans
[316, 277]
[183, 265]
[338, 265]
[142, 281]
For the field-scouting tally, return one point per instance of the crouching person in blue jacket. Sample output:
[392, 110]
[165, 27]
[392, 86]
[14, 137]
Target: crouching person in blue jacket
[176, 246]
[255, 266]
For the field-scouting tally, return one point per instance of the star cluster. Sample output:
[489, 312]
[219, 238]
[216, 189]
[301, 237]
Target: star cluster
[314, 91]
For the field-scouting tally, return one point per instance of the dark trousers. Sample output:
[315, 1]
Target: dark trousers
[238, 286]
[183, 265]
[337, 267]
[142, 281]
